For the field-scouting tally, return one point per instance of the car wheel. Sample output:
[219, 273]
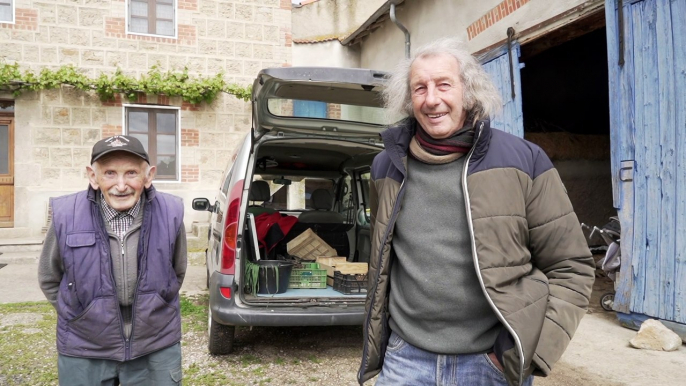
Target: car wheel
[220, 339]
[207, 282]
[607, 301]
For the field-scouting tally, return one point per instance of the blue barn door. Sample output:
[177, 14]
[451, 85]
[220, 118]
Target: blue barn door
[647, 68]
[497, 65]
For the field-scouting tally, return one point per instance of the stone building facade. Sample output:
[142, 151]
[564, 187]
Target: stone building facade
[54, 130]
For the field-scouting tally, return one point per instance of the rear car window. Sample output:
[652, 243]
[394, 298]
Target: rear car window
[303, 201]
[335, 111]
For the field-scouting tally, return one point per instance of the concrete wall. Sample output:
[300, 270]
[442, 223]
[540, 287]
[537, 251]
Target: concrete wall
[326, 54]
[55, 129]
[325, 19]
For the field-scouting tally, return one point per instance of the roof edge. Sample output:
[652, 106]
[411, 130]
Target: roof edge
[384, 9]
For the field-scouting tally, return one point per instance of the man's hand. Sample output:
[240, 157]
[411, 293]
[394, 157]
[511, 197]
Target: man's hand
[494, 359]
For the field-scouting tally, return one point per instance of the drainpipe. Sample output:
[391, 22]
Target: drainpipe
[402, 28]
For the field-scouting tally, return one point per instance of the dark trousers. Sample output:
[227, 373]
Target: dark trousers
[160, 368]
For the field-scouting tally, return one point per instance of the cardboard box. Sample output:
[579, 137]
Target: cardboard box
[308, 246]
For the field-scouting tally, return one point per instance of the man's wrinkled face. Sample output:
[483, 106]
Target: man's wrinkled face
[121, 177]
[437, 99]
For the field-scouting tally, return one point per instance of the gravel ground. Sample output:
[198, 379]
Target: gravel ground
[262, 356]
[599, 354]
[274, 355]
[278, 356]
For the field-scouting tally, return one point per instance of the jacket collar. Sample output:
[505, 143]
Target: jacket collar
[483, 139]
[396, 140]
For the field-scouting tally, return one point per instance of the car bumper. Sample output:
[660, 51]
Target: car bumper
[226, 311]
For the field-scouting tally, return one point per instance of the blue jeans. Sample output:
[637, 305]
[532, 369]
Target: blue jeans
[161, 368]
[405, 364]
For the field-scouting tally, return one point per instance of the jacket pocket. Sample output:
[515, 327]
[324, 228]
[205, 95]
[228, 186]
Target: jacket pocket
[153, 316]
[97, 328]
[80, 239]
[79, 250]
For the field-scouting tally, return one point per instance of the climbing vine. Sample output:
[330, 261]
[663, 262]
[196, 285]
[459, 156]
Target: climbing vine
[193, 89]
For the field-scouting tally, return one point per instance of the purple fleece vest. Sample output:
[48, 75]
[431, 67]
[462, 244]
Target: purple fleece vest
[89, 322]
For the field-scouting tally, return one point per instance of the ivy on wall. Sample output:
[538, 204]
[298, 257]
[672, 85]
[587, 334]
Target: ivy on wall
[172, 84]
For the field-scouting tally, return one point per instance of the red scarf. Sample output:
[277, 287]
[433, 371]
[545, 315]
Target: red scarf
[441, 151]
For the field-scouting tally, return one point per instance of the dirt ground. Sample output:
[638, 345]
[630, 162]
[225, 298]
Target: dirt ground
[598, 355]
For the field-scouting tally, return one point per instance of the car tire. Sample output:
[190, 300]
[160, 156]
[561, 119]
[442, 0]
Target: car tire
[607, 301]
[220, 339]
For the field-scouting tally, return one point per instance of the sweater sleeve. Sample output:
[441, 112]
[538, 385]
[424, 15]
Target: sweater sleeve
[50, 267]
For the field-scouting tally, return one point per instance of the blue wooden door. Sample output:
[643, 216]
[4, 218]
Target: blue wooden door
[497, 65]
[647, 68]
[310, 109]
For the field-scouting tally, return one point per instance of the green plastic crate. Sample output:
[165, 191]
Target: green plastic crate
[307, 278]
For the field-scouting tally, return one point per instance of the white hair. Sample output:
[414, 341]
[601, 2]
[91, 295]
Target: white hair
[481, 99]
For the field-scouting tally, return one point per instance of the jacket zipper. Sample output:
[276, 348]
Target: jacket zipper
[138, 279]
[394, 214]
[127, 340]
[518, 342]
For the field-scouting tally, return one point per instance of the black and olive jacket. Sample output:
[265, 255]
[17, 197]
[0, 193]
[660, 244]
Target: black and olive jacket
[529, 252]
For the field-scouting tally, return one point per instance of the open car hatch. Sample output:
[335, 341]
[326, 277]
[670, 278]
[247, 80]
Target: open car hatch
[341, 102]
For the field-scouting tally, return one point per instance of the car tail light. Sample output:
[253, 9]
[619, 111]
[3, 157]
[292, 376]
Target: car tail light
[231, 230]
[226, 292]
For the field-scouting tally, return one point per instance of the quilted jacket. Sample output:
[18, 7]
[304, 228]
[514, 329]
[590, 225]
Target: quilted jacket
[529, 252]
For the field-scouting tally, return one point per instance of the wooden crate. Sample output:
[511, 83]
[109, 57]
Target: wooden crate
[330, 261]
[308, 246]
[343, 267]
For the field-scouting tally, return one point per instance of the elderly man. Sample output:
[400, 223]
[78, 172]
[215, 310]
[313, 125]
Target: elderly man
[479, 273]
[112, 265]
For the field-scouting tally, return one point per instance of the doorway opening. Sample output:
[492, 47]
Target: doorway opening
[566, 111]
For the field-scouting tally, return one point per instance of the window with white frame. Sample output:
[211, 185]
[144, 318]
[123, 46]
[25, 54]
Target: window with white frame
[151, 17]
[158, 130]
[6, 11]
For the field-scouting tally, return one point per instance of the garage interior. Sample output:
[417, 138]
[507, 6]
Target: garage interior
[566, 111]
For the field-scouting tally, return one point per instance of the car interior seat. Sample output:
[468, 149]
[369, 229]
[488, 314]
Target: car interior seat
[259, 191]
[328, 225]
[322, 201]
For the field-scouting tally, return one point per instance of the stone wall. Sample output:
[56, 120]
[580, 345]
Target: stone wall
[55, 129]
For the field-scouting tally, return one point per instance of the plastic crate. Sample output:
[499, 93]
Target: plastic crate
[308, 277]
[350, 283]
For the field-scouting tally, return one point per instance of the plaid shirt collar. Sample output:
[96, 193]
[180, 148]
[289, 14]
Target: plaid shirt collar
[119, 221]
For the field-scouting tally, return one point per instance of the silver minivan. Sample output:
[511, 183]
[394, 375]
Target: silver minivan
[308, 158]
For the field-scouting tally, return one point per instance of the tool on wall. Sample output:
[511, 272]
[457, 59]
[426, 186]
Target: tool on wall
[510, 36]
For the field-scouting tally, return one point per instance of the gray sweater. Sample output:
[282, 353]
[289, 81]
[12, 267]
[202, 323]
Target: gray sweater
[436, 302]
[124, 263]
